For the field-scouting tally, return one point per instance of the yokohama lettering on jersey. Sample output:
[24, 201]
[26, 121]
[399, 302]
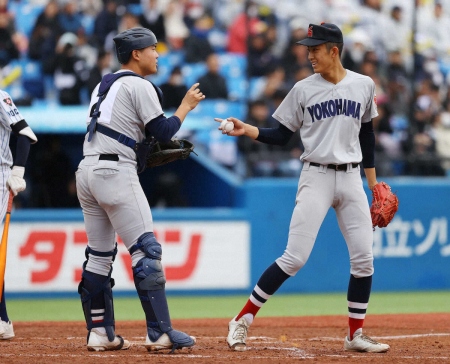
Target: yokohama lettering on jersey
[329, 116]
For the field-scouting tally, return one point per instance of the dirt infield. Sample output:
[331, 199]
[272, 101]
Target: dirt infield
[417, 339]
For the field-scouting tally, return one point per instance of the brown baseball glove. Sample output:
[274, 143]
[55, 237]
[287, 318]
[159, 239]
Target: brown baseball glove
[384, 205]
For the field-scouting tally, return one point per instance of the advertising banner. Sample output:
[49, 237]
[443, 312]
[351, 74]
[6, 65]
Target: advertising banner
[46, 257]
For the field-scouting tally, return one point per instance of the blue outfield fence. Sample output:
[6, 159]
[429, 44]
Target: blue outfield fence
[225, 250]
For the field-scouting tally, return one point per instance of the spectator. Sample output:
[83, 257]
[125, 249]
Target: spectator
[435, 27]
[128, 21]
[91, 8]
[401, 41]
[274, 80]
[388, 147]
[245, 25]
[213, 84]
[102, 67]
[152, 18]
[8, 50]
[422, 160]
[176, 29]
[301, 73]
[10, 17]
[197, 47]
[85, 50]
[70, 71]
[44, 36]
[371, 21]
[106, 22]
[69, 18]
[295, 56]
[260, 57]
[354, 52]
[441, 131]
[174, 89]
[398, 85]
[427, 105]
[263, 160]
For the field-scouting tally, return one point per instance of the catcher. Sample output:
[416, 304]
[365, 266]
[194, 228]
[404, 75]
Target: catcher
[124, 109]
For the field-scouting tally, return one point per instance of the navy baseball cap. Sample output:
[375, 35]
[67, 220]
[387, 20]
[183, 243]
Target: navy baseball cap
[323, 33]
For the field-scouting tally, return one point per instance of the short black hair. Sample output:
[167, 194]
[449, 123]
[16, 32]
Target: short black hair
[340, 47]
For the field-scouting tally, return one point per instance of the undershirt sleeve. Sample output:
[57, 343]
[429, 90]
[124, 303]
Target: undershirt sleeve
[367, 142]
[275, 136]
[162, 128]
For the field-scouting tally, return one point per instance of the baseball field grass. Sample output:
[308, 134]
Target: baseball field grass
[189, 307]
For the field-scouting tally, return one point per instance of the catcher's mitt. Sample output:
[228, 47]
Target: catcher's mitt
[384, 205]
[173, 150]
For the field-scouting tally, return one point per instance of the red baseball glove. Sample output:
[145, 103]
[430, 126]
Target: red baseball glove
[384, 205]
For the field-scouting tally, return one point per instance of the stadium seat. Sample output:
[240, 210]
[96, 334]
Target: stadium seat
[88, 23]
[192, 72]
[166, 63]
[233, 65]
[25, 15]
[32, 80]
[256, 87]
[218, 40]
[135, 9]
[202, 117]
[237, 88]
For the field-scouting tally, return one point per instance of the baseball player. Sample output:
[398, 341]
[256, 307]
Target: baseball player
[12, 178]
[333, 109]
[112, 199]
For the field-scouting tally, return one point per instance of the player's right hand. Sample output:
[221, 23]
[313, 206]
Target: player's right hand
[193, 97]
[239, 126]
[15, 182]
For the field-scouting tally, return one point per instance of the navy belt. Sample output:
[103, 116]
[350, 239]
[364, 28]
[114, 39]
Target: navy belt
[109, 157]
[337, 167]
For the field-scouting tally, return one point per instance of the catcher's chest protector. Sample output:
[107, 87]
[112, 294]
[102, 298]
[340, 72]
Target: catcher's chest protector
[105, 85]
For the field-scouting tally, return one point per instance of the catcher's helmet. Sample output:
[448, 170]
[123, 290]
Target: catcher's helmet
[131, 39]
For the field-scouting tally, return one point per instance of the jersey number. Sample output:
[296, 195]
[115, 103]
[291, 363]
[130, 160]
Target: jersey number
[13, 112]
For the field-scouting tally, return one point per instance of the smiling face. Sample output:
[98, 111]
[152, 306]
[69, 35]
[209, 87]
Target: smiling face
[321, 58]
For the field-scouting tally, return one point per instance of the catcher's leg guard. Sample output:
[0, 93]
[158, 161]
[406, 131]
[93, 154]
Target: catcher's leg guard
[150, 282]
[96, 296]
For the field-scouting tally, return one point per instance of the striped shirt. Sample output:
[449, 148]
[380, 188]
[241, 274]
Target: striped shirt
[9, 114]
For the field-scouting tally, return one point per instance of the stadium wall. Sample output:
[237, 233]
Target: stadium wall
[225, 249]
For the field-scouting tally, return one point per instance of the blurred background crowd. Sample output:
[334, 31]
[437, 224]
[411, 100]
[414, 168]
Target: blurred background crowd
[245, 52]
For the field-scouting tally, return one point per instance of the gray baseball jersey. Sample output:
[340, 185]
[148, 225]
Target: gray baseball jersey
[129, 105]
[9, 114]
[109, 192]
[329, 116]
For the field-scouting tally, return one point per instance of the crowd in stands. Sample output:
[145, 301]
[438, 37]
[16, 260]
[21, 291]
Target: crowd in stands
[404, 46]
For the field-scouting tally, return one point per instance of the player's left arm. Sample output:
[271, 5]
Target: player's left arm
[25, 137]
[367, 142]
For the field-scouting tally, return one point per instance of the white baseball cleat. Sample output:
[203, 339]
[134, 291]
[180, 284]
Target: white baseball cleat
[171, 340]
[98, 341]
[6, 330]
[237, 334]
[363, 343]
